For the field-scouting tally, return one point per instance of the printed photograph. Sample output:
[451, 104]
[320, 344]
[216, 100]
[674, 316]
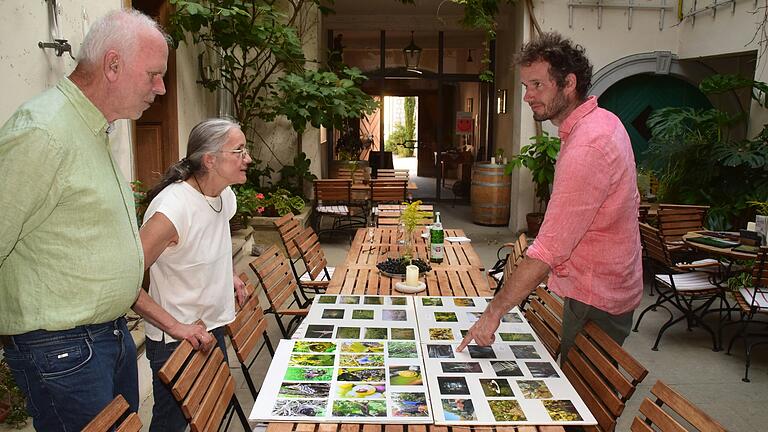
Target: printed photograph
[511, 317]
[317, 347]
[375, 333]
[496, 387]
[346, 390]
[464, 302]
[446, 317]
[370, 360]
[333, 314]
[352, 408]
[361, 374]
[473, 316]
[431, 301]
[409, 405]
[459, 410]
[525, 351]
[402, 333]
[453, 385]
[311, 360]
[534, 389]
[308, 374]
[506, 368]
[405, 375]
[319, 331]
[362, 314]
[506, 410]
[349, 300]
[561, 410]
[439, 351]
[327, 299]
[441, 334]
[348, 333]
[304, 390]
[394, 315]
[542, 370]
[476, 351]
[362, 347]
[299, 408]
[373, 300]
[461, 367]
[402, 350]
[517, 337]
[398, 301]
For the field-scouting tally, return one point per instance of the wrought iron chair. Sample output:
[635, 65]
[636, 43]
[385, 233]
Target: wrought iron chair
[318, 273]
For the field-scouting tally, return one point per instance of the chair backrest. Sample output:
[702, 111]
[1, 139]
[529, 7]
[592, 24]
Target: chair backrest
[311, 253]
[661, 420]
[642, 212]
[200, 381]
[115, 416]
[275, 275]
[357, 175]
[676, 220]
[654, 246]
[250, 326]
[333, 190]
[544, 313]
[396, 173]
[288, 227]
[386, 190]
[603, 374]
[759, 281]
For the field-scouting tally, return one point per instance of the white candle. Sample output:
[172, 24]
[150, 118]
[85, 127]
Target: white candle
[411, 275]
[493, 160]
[751, 226]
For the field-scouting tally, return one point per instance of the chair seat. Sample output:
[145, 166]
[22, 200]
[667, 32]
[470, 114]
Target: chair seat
[760, 300]
[688, 282]
[337, 210]
[307, 278]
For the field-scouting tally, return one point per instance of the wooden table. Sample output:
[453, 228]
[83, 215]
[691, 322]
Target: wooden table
[716, 251]
[460, 274]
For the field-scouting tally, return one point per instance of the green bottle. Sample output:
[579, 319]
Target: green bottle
[436, 237]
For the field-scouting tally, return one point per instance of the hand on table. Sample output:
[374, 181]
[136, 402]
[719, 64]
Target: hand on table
[482, 332]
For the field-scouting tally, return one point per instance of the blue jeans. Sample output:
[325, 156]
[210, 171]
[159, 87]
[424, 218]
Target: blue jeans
[166, 413]
[69, 376]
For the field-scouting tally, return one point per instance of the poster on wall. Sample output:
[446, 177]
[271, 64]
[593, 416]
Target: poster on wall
[464, 123]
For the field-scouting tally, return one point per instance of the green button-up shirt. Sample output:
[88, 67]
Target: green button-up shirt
[70, 252]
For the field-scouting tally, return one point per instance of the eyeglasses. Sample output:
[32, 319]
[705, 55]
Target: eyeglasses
[240, 152]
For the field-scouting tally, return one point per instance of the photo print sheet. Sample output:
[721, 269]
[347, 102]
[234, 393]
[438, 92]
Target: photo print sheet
[446, 319]
[506, 383]
[335, 380]
[375, 317]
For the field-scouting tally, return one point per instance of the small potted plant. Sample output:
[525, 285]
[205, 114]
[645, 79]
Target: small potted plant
[280, 202]
[539, 157]
[410, 218]
[249, 203]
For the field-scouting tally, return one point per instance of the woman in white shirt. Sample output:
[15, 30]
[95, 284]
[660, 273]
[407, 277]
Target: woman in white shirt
[187, 242]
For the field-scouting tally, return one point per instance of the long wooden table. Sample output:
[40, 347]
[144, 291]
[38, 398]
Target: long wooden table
[460, 274]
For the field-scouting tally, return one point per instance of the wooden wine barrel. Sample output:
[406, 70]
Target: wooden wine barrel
[491, 190]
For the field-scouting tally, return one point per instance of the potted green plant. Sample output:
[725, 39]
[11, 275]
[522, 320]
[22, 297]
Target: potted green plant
[249, 203]
[539, 157]
[410, 218]
[280, 202]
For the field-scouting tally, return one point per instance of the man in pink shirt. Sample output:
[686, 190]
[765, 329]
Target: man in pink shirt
[589, 243]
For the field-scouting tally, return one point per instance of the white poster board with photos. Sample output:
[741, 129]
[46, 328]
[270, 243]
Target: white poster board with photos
[355, 381]
[445, 319]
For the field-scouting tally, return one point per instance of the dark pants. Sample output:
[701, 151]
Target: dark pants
[576, 314]
[166, 413]
[69, 376]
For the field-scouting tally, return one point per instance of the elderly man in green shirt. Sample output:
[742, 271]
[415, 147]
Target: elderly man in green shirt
[71, 261]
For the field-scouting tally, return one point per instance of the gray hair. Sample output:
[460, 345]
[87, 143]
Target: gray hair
[118, 30]
[207, 137]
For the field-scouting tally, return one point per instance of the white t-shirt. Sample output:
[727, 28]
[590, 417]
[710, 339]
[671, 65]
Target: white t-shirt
[193, 278]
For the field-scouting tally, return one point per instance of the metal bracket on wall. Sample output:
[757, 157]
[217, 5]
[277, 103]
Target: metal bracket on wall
[695, 10]
[630, 5]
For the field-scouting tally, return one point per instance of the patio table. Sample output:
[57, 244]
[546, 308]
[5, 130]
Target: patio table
[716, 252]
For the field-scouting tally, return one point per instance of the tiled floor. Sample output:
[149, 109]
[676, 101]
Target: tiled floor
[685, 360]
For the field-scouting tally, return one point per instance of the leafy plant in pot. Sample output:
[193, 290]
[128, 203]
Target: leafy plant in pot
[539, 157]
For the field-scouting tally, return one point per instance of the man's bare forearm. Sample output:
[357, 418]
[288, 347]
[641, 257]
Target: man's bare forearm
[517, 286]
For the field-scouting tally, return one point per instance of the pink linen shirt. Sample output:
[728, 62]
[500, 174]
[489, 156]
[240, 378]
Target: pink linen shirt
[590, 237]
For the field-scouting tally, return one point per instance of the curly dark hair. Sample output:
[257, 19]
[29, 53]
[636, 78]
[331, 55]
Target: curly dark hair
[564, 57]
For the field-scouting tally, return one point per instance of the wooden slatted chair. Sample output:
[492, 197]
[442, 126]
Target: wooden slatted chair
[333, 198]
[603, 374]
[248, 333]
[396, 173]
[544, 312]
[318, 273]
[388, 191]
[753, 305]
[200, 381]
[675, 220]
[281, 289]
[679, 285]
[115, 417]
[356, 175]
[659, 419]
